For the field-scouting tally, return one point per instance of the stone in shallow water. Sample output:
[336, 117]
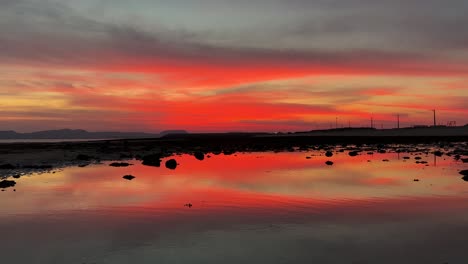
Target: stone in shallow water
[152, 160]
[465, 174]
[199, 155]
[7, 184]
[120, 164]
[129, 177]
[329, 163]
[353, 153]
[329, 154]
[171, 164]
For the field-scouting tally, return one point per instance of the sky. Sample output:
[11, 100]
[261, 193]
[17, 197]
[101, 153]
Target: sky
[219, 65]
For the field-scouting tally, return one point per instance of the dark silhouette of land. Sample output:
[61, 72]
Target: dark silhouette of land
[83, 134]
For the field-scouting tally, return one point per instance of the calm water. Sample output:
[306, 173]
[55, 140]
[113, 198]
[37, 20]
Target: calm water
[248, 208]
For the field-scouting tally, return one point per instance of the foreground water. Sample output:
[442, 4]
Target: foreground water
[244, 208]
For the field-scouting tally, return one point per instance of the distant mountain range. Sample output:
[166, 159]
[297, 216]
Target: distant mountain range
[83, 134]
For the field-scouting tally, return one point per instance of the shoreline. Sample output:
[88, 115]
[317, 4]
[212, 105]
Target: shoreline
[17, 159]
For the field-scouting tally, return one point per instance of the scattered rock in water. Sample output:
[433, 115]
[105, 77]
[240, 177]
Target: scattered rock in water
[417, 158]
[129, 177]
[438, 153]
[353, 153]
[152, 160]
[370, 153]
[7, 167]
[329, 154]
[83, 165]
[416, 180]
[120, 164]
[382, 151]
[171, 164]
[406, 158]
[17, 176]
[199, 155]
[329, 163]
[189, 205]
[385, 160]
[308, 157]
[7, 184]
[464, 160]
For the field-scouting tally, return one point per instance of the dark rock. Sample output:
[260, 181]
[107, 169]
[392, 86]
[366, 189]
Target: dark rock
[382, 151]
[171, 164]
[6, 184]
[129, 177]
[406, 158]
[464, 172]
[329, 163]
[189, 205]
[7, 167]
[17, 176]
[120, 164]
[353, 153]
[438, 153]
[199, 155]
[329, 154]
[416, 180]
[385, 160]
[417, 158]
[370, 153]
[83, 165]
[308, 157]
[464, 160]
[152, 160]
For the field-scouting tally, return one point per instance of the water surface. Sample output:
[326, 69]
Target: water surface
[245, 208]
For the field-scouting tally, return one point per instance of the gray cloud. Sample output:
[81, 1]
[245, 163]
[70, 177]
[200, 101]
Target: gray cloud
[56, 34]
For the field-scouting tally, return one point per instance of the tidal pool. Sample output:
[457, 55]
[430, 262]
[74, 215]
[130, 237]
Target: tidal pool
[244, 208]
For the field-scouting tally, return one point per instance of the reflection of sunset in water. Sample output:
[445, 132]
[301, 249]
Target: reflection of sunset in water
[240, 180]
[269, 207]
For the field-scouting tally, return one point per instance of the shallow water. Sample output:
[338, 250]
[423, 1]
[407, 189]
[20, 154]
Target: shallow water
[246, 208]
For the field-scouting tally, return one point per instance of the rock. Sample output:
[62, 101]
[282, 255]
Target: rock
[7, 167]
[308, 157]
[438, 153]
[129, 177]
[171, 164]
[464, 160]
[189, 205]
[7, 184]
[382, 151]
[385, 160]
[199, 155]
[464, 172]
[416, 180]
[120, 164]
[353, 153]
[329, 154]
[417, 158]
[152, 160]
[329, 163]
[406, 158]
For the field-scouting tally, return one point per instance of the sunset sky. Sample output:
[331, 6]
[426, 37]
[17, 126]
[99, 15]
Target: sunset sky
[219, 65]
